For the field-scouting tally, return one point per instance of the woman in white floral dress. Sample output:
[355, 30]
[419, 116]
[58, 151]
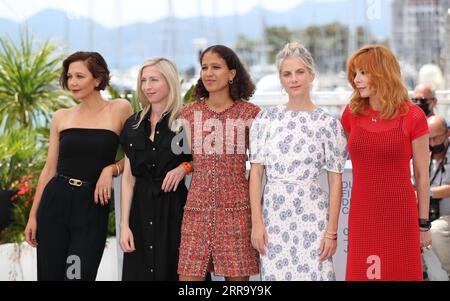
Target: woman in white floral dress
[295, 231]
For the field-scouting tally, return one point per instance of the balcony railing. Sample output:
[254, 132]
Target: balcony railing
[335, 102]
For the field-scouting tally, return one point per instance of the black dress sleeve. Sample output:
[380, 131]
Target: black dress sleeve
[127, 133]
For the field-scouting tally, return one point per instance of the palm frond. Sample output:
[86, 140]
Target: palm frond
[29, 87]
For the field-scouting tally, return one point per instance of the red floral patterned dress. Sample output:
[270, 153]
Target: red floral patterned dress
[217, 219]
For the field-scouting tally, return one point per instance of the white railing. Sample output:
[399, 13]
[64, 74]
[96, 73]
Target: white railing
[335, 102]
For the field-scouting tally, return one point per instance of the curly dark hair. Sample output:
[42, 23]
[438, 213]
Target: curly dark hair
[242, 87]
[94, 62]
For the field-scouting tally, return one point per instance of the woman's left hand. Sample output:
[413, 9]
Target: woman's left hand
[104, 185]
[425, 239]
[327, 249]
[173, 178]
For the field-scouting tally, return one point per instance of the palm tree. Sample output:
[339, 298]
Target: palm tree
[29, 92]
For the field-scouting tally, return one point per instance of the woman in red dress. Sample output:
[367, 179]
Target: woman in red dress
[216, 230]
[387, 226]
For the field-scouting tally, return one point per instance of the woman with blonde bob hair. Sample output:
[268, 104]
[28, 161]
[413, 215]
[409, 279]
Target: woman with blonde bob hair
[153, 194]
[387, 226]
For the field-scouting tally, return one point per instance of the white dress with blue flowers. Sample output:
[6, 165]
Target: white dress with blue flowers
[295, 147]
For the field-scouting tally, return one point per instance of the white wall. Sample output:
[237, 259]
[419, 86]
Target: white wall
[18, 262]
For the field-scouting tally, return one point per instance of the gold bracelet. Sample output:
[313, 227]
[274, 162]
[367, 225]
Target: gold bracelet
[332, 236]
[118, 169]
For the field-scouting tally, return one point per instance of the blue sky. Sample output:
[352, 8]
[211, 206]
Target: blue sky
[112, 13]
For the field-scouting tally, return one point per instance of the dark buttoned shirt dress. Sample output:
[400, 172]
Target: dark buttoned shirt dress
[155, 217]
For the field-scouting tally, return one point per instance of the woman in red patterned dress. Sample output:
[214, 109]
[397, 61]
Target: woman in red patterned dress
[216, 228]
[387, 226]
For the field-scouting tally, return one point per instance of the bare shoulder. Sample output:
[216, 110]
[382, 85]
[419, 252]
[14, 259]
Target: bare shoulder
[122, 107]
[121, 104]
[60, 115]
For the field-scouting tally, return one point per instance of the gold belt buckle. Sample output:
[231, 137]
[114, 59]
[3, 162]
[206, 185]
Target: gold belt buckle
[75, 182]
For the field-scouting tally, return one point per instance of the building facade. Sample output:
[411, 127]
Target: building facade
[419, 32]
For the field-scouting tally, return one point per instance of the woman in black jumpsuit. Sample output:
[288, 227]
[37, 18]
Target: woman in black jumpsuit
[153, 190]
[69, 218]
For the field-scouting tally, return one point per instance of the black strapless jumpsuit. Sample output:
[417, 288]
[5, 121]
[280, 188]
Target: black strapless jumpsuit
[71, 228]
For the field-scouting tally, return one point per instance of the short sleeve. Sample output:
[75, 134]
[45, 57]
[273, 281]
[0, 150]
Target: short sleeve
[336, 153]
[126, 133]
[346, 119]
[254, 111]
[417, 123]
[185, 111]
[123, 140]
[259, 133]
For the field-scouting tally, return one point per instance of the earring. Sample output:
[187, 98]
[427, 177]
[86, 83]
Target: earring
[231, 82]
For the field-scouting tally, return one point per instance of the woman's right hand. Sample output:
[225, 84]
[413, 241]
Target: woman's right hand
[260, 238]
[127, 240]
[30, 232]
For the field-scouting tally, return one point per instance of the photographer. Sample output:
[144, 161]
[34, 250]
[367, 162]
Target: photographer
[424, 96]
[440, 189]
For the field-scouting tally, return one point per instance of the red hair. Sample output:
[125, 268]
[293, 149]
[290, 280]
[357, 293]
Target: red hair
[383, 70]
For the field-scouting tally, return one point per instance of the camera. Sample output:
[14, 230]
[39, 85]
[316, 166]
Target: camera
[434, 209]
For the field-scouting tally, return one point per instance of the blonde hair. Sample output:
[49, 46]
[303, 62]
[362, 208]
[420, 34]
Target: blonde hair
[383, 69]
[299, 51]
[173, 108]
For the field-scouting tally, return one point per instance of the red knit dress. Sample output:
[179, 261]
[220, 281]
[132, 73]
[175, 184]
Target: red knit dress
[383, 241]
[217, 218]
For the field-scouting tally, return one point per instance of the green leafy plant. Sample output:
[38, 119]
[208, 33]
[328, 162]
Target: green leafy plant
[29, 95]
[20, 152]
[189, 95]
[22, 156]
[29, 88]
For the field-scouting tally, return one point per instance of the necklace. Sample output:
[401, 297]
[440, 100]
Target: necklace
[374, 117]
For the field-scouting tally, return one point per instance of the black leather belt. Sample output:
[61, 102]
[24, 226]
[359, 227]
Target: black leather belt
[74, 182]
